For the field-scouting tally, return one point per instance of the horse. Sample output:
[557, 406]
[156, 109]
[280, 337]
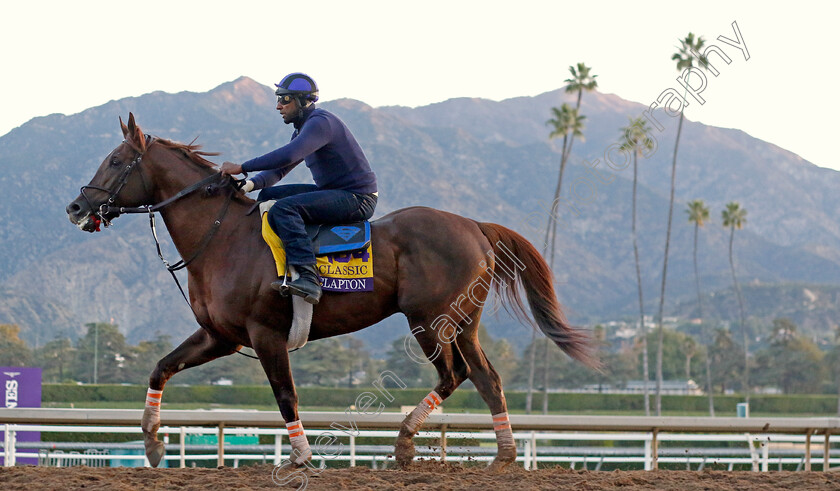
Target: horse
[436, 268]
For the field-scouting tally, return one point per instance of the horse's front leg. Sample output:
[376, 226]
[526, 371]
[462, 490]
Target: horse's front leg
[198, 349]
[271, 347]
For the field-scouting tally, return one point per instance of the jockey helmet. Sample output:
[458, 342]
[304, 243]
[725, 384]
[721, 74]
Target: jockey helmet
[299, 85]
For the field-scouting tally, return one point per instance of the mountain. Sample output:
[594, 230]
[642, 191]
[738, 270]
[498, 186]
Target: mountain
[488, 160]
[815, 309]
[43, 319]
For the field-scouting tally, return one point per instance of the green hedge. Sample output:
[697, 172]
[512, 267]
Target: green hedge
[466, 399]
[245, 395]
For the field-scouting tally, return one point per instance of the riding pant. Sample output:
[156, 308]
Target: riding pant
[300, 204]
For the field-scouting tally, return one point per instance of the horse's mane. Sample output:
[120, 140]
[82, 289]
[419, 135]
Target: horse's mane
[191, 151]
[194, 153]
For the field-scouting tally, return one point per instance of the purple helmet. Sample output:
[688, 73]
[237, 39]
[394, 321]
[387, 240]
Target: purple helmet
[299, 85]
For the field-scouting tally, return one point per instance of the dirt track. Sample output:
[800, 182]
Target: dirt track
[424, 475]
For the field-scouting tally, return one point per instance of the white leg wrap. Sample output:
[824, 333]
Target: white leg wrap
[299, 442]
[151, 415]
[422, 411]
[504, 435]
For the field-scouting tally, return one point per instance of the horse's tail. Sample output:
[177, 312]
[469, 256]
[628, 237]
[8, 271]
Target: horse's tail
[519, 263]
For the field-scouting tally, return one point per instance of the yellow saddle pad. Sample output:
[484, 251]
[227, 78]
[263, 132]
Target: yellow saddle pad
[340, 271]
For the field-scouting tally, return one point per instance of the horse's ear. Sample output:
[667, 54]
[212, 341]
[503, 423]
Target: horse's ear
[124, 128]
[134, 135]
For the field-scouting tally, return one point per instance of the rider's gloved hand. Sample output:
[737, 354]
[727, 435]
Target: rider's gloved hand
[231, 169]
[247, 187]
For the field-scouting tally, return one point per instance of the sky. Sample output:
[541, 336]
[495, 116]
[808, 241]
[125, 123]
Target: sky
[65, 57]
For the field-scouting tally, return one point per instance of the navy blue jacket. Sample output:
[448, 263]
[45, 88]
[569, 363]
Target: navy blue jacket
[331, 152]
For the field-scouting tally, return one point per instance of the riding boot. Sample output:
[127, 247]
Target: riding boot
[308, 285]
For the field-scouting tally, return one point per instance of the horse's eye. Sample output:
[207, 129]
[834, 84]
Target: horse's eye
[115, 161]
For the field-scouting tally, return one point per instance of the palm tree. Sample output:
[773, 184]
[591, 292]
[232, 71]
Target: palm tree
[581, 80]
[635, 139]
[832, 360]
[734, 217]
[698, 214]
[685, 58]
[568, 123]
[689, 349]
[546, 370]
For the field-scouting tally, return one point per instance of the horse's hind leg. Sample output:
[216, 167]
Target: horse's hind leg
[452, 371]
[489, 385]
[196, 350]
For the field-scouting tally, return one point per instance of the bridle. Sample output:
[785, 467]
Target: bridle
[107, 209]
[207, 183]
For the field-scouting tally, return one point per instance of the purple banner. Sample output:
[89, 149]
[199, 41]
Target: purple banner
[21, 388]
[347, 284]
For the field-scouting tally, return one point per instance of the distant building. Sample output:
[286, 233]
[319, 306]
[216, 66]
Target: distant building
[676, 387]
[625, 332]
[669, 387]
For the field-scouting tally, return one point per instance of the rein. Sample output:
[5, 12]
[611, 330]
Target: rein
[181, 264]
[211, 179]
[205, 241]
[106, 208]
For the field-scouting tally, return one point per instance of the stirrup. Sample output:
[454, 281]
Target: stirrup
[282, 286]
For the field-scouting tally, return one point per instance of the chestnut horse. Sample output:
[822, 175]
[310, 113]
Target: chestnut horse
[429, 266]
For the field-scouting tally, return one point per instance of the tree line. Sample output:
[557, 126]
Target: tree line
[785, 359]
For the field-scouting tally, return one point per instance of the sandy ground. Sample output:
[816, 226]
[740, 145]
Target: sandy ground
[422, 475]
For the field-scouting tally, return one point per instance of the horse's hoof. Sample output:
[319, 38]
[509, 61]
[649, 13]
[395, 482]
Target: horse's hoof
[497, 466]
[503, 459]
[155, 450]
[404, 451]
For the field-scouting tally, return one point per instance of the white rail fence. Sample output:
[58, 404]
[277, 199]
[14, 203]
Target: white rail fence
[761, 443]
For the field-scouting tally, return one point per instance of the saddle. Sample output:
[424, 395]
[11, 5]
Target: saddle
[331, 238]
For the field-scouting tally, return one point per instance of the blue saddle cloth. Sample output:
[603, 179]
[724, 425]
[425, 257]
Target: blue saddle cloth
[345, 237]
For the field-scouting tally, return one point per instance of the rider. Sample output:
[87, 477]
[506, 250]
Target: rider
[345, 186]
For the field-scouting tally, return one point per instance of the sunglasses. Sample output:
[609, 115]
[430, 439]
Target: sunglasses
[285, 99]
